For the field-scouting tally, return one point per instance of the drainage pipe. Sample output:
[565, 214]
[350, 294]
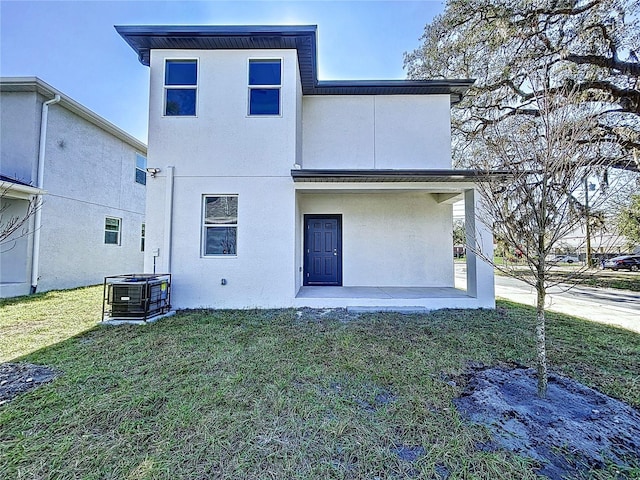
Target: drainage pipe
[168, 218]
[35, 256]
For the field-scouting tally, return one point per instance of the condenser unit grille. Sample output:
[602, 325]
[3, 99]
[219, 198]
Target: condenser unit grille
[126, 294]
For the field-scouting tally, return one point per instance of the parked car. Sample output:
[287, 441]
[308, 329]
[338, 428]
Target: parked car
[624, 262]
[566, 259]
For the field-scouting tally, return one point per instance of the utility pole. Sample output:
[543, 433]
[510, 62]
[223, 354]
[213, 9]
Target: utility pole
[587, 227]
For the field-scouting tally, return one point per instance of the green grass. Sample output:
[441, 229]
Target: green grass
[275, 394]
[33, 322]
[607, 279]
[621, 280]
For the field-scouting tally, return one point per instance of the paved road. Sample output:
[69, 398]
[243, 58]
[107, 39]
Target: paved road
[604, 305]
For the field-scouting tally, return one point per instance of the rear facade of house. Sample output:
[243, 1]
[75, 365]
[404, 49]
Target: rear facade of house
[273, 189]
[92, 179]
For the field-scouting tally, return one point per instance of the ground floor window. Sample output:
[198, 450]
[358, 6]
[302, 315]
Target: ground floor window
[219, 225]
[142, 238]
[112, 231]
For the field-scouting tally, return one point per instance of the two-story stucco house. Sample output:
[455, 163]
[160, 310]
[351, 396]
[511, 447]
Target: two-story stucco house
[274, 189]
[91, 178]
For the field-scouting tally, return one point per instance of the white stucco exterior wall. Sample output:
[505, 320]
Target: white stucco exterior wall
[14, 251]
[376, 131]
[224, 151]
[261, 273]
[89, 174]
[389, 239]
[19, 135]
[480, 275]
[392, 235]
[222, 139]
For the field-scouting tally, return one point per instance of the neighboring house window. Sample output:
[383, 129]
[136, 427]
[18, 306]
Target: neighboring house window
[112, 231]
[142, 238]
[141, 169]
[180, 86]
[219, 225]
[265, 80]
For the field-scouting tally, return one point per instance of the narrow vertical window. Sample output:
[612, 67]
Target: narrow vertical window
[265, 81]
[219, 225]
[112, 231]
[141, 169]
[142, 238]
[180, 87]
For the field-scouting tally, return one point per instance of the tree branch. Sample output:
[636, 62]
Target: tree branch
[628, 68]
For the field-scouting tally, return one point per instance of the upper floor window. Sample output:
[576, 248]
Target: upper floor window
[141, 169]
[265, 80]
[180, 87]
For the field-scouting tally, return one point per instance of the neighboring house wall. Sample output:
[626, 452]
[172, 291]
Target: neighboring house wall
[89, 174]
[376, 131]
[14, 258]
[19, 135]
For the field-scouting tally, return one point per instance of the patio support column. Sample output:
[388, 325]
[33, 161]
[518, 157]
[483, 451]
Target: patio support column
[480, 283]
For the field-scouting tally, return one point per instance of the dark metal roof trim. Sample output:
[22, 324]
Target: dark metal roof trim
[144, 38]
[380, 175]
[454, 88]
[4, 178]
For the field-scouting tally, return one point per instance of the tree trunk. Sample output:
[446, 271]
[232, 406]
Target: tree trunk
[541, 348]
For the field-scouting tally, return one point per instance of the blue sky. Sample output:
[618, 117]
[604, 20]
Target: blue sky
[74, 47]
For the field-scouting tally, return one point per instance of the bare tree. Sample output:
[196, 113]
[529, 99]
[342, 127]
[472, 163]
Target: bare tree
[591, 45]
[15, 225]
[540, 200]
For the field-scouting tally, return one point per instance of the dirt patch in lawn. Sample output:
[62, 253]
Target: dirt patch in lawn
[17, 378]
[574, 429]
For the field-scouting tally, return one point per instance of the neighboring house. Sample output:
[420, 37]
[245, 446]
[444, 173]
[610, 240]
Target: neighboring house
[607, 242]
[91, 219]
[274, 189]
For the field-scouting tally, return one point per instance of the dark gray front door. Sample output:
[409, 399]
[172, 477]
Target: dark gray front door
[323, 250]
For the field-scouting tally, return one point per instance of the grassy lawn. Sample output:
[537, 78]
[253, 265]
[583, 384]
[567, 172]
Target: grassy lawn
[275, 394]
[571, 274]
[608, 279]
[31, 323]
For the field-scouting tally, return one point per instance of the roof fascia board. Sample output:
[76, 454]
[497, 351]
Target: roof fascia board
[135, 36]
[130, 32]
[17, 190]
[35, 84]
[445, 174]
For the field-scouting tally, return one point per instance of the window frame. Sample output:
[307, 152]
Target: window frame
[143, 170]
[204, 226]
[142, 236]
[264, 87]
[118, 231]
[166, 88]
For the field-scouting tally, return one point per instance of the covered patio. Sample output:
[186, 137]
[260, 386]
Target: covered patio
[410, 245]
